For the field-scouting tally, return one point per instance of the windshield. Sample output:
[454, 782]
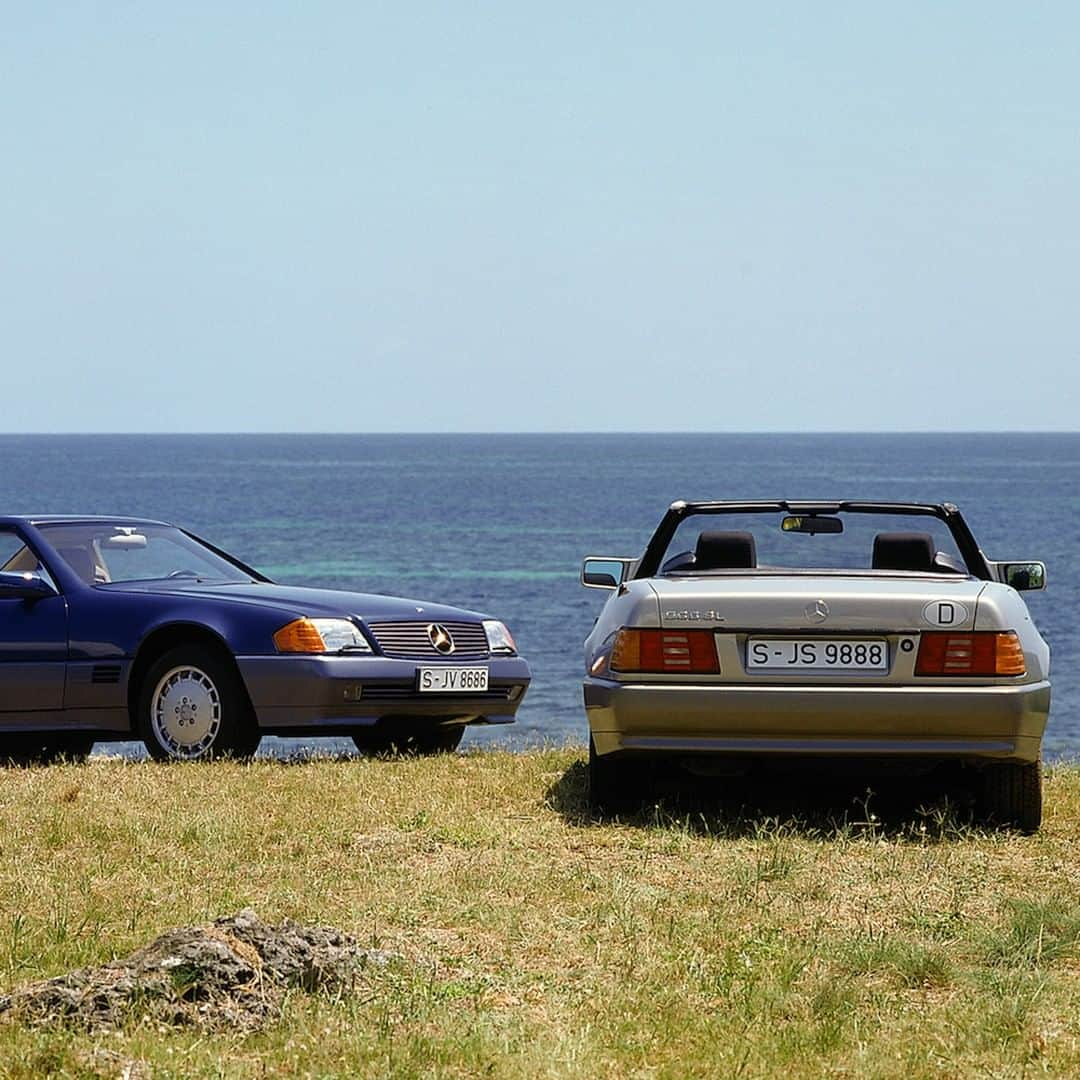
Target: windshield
[779, 540]
[106, 552]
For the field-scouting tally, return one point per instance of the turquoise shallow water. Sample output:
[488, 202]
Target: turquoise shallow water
[501, 522]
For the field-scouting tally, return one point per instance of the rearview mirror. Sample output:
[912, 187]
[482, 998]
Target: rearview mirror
[812, 524]
[26, 586]
[125, 540]
[601, 573]
[1025, 576]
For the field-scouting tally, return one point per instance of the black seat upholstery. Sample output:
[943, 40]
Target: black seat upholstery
[725, 551]
[903, 551]
[80, 560]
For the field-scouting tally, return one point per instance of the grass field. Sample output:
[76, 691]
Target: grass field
[689, 940]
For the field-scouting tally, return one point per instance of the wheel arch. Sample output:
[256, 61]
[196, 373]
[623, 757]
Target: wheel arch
[163, 638]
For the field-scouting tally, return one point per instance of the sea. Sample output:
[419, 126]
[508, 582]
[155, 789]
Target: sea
[500, 523]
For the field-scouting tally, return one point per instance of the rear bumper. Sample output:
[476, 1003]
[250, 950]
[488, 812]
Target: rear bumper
[342, 692]
[1002, 722]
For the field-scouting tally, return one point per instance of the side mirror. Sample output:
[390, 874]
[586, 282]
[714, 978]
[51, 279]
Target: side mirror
[1024, 576]
[24, 586]
[601, 573]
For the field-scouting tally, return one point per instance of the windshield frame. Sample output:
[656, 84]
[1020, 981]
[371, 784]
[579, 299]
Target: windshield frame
[657, 548]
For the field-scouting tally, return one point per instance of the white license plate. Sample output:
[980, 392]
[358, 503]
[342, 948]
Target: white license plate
[822, 654]
[452, 680]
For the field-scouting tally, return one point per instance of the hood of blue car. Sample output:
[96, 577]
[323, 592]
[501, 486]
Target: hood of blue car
[303, 601]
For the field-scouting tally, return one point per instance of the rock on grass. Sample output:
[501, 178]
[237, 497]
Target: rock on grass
[233, 973]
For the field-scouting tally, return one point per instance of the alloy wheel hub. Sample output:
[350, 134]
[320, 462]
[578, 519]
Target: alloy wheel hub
[186, 712]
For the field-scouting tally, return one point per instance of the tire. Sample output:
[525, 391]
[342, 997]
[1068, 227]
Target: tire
[193, 707]
[43, 748]
[438, 740]
[1012, 795]
[612, 783]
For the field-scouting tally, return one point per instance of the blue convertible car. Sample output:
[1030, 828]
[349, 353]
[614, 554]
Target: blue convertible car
[118, 627]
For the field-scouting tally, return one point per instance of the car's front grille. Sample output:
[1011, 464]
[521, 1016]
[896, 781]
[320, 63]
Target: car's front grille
[397, 691]
[412, 640]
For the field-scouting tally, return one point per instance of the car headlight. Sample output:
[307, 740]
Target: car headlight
[499, 639]
[320, 636]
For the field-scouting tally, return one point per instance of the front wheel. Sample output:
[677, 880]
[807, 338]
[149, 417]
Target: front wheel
[437, 740]
[192, 706]
[1012, 795]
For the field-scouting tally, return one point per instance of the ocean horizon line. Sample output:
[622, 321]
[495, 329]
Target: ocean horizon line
[429, 433]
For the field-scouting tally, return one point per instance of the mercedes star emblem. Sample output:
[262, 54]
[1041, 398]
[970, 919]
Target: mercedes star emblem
[440, 638]
[818, 611]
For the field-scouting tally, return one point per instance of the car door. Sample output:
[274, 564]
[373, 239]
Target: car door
[33, 642]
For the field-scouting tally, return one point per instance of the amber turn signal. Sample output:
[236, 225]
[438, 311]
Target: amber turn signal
[301, 635]
[982, 653]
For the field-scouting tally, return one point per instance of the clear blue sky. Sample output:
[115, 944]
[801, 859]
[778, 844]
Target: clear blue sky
[608, 216]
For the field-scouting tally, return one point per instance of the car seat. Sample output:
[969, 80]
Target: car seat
[904, 551]
[725, 551]
[81, 562]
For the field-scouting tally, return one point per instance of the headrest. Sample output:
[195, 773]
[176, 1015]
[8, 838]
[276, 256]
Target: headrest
[903, 551]
[80, 560]
[725, 551]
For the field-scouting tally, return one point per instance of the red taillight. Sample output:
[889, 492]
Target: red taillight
[983, 653]
[675, 651]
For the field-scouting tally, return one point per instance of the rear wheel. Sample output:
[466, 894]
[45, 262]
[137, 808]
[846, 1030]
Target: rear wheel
[1012, 795]
[192, 706]
[439, 740]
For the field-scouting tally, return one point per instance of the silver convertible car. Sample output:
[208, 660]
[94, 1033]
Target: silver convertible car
[753, 634]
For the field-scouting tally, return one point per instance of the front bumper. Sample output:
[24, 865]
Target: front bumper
[304, 692]
[1003, 722]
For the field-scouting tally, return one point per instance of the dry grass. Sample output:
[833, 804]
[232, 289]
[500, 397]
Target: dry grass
[683, 942]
